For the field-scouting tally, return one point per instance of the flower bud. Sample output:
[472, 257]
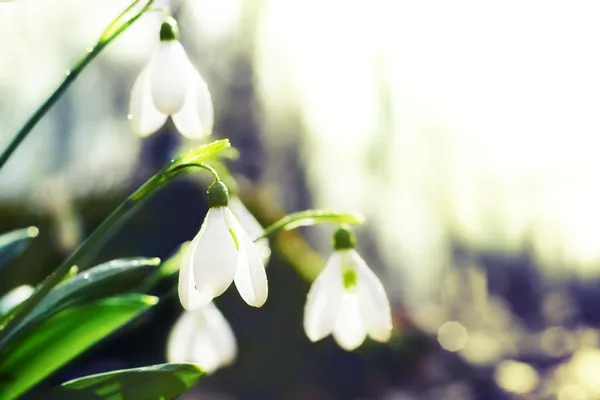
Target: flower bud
[218, 195]
[169, 30]
[344, 238]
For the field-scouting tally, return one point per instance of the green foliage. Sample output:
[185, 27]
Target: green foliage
[14, 243]
[134, 11]
[157, 382]
[62, 336]
[311, 217]
[12, 299]
[200, 154]
[108, 279]
[188, 160]
[167, 269]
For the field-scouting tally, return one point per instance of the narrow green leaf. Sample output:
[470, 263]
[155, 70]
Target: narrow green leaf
[15, 297]
[200, 154]
[173, 263]
[108, 279]
[125, 19]
[168, 268]
[311, 217]
[63, 336]
[156, 382]
[15, 242]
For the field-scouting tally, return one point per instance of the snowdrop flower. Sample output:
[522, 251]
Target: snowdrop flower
[202, 337]
[251, 226]
[347, 299]
[170, 85]
[220, 253]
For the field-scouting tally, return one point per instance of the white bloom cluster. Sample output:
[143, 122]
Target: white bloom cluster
[346, 300]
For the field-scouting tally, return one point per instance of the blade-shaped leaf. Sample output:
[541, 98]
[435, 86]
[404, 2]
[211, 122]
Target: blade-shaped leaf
[63, 336]
[108, 279]
[15, 297]
[311, 217]
[168, 268]
[200, 154]
[156, 382]
[15, 242]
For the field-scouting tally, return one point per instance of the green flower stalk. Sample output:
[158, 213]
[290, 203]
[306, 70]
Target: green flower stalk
[187, 161]
[119, 25]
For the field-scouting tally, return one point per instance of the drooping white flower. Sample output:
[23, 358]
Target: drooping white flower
[170, 85]
[221, 253]
[347, 299]
[252, 227]
[202, 337]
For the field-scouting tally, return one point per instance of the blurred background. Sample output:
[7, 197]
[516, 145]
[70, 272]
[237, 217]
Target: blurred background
[466, 131]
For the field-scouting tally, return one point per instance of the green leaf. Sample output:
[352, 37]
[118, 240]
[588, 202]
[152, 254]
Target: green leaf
[63, 336]
[15, 242]
[125, 19]
[168, 268]
[311, 217]
[157, 382]
[108, 279]
[15, 297]
[200, 154]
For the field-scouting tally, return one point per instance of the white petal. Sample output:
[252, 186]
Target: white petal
[264, 249]
[170, 77]
[214, 257]
[196, 117]
[221, 335]
[190, 341]
[373, 301]
[251, 226]
[250, 276]
[189, 297]
[144, 117]
[323, 300]
[203, 337]
[181, 338]
[349, 331]
[204, 352]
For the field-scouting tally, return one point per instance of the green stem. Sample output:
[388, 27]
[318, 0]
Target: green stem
[71, 75]
[205, 167]
[311, 217]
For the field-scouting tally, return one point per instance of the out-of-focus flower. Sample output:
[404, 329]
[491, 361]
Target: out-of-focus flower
[170, 85]
[252, 227]
[202, 337]
[347, 299]
[222, 252]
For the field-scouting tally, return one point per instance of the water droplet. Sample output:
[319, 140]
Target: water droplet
[68, 72]
[32, 231]
[86, 276]
[130, 116]
[89, 49]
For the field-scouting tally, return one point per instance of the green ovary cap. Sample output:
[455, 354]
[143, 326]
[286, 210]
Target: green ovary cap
[344, 238]
[218, 195]
[169, 30]
[349, 276]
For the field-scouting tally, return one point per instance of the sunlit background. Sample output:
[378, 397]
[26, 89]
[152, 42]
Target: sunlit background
[465, 130]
